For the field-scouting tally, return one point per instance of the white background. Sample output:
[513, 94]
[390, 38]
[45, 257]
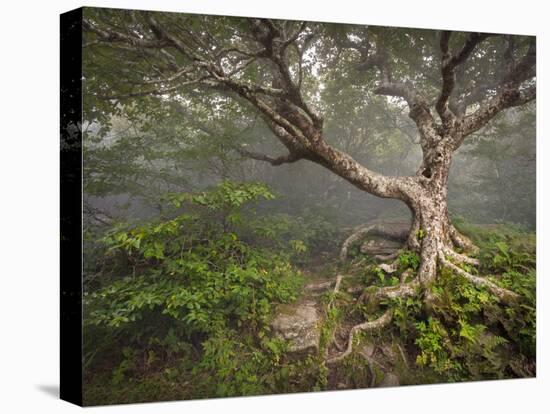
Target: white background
[29, 206]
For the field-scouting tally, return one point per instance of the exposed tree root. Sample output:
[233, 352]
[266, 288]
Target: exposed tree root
[389, 268]
[461, 241]
[433, 252]
[337, 344]
[461, 258]
[336, 289]
[399, 291]
[390, 292]
[358, 263]
[386, 257]
[504, 295]
[371, 363]
[404, 276]
[365, 326]
[318, 287]
[356, 236]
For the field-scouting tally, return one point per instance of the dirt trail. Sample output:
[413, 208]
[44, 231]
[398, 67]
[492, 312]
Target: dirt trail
[378, 362]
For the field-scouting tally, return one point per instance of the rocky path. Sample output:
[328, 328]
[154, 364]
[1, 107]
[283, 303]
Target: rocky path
[300, 323]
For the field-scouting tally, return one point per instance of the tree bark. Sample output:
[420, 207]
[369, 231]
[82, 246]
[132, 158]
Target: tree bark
[430, 213]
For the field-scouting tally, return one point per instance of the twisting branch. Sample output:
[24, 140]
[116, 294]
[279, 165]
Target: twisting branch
[282, 105]
[167, 79]
[164, 35]
[449, 63]
[419, 108]
[510, 93]
[113, 36]
[269, 36]
[152, 92]
[448, 78]
[283, 159]
[506, 98]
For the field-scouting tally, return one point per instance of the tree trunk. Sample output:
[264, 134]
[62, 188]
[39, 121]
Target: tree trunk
[434, 237]
[431, 213]
[433, 231]
[432, 234]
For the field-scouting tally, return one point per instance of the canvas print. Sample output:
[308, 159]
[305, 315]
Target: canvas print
[278, 206]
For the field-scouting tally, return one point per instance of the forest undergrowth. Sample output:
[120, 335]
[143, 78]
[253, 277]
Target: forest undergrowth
[179, 307]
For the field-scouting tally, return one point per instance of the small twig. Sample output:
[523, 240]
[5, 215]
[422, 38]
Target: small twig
[402, 355]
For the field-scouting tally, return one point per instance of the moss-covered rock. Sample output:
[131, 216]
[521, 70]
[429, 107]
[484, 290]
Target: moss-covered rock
[299, 325]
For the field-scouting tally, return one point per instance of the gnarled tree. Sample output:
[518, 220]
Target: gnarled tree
[452, 83]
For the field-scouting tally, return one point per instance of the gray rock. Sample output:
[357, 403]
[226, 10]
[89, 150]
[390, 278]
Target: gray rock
[390, 380]
[381, 246]
[298, 324]
[319, 287]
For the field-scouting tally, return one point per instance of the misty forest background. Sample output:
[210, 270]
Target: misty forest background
[192, 247]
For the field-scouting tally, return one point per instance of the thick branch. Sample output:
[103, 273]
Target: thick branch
[283, 159]
[419, 110]
[506, 98]
[449, 63]
[509, 94]
[166, 36]
[346, 167]
[152, 92]
[294, 37]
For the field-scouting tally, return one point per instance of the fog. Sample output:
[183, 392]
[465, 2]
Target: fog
[492, 179]
[255, 188]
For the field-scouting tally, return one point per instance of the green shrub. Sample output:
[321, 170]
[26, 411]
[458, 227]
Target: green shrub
[195, 275]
